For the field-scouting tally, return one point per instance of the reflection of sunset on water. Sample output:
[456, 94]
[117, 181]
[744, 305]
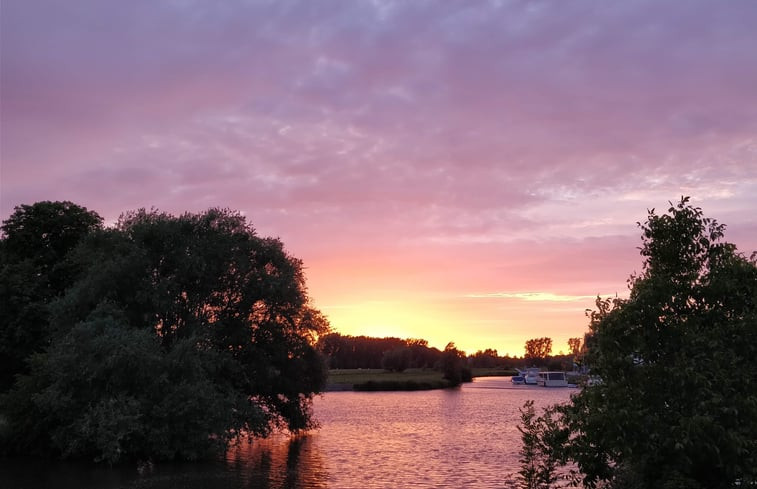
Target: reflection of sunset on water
[465, 437]
[462, 437]
[278, 462]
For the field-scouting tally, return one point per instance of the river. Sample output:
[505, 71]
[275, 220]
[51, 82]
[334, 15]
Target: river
[464, 437]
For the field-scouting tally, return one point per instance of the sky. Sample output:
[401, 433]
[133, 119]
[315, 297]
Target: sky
[466, 171]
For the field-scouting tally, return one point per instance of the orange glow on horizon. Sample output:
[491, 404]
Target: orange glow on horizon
[406, 322]
[482, 305]
[472, 324]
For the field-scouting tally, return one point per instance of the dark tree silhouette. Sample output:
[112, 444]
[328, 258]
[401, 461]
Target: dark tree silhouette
[538, 349]
[34, 270]
[175, 336]
[675, 404]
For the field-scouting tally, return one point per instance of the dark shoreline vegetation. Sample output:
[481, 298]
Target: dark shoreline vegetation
[674, 405]
[408, 380]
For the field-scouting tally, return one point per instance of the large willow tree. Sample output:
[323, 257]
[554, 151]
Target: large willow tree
[676, 405]
[175, 336]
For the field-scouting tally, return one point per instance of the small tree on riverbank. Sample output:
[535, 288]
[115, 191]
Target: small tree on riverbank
[454, 366]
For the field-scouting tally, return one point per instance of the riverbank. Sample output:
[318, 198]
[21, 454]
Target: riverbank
[409, 380]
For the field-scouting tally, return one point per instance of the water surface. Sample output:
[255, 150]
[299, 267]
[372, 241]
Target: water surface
[465, 437]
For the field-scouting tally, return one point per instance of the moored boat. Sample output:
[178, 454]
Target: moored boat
[553, 379]
[530, 375]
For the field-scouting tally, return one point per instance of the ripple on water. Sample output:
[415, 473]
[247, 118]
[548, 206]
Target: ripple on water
[465, 437]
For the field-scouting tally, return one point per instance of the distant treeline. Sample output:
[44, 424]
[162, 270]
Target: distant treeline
[345, 352]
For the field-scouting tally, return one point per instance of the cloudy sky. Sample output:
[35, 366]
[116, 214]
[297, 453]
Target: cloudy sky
[467, 171]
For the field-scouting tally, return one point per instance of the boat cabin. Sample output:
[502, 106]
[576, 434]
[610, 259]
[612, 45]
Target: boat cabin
[552, 379]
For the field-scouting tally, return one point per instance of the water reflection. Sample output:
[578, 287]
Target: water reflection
[464, 437]
[279, 462]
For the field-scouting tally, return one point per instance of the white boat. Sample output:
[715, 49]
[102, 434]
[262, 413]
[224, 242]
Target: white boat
[553, 379]
[530, 375]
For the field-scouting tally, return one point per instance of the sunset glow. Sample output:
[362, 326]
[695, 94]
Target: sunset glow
[455, 171]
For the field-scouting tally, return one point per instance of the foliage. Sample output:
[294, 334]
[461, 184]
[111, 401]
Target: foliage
[677, 401]
[485, 359]
[45, 232]
[393, 354]
[538, 349]
[110, 392]
[36, 240]
[176, 335]
[410, 379]
[454, 366]
[574, 346]
[345, 351]
[350, 352]
[540, 442]
[397, 359]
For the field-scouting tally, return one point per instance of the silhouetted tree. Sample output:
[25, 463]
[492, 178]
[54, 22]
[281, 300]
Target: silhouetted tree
[176, 335]
[454, 368]
[677, 401]
[538, 349]
[344, 351]
[34, 270]
[574, 346]
[334, 346]
[484, 359]
[396, 359]
[421, 355]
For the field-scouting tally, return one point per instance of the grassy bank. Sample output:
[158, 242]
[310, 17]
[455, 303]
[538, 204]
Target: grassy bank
[379, 379]
[493, 372]
[366, 379]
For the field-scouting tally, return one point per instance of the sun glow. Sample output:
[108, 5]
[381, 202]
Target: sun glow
[382, 318]
[472, 323]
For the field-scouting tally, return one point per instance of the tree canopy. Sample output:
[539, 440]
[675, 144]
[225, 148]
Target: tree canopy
[345, 351]
[675, 404]
[34, 270]
[538, 349]
[170, 337]
[454, 366]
